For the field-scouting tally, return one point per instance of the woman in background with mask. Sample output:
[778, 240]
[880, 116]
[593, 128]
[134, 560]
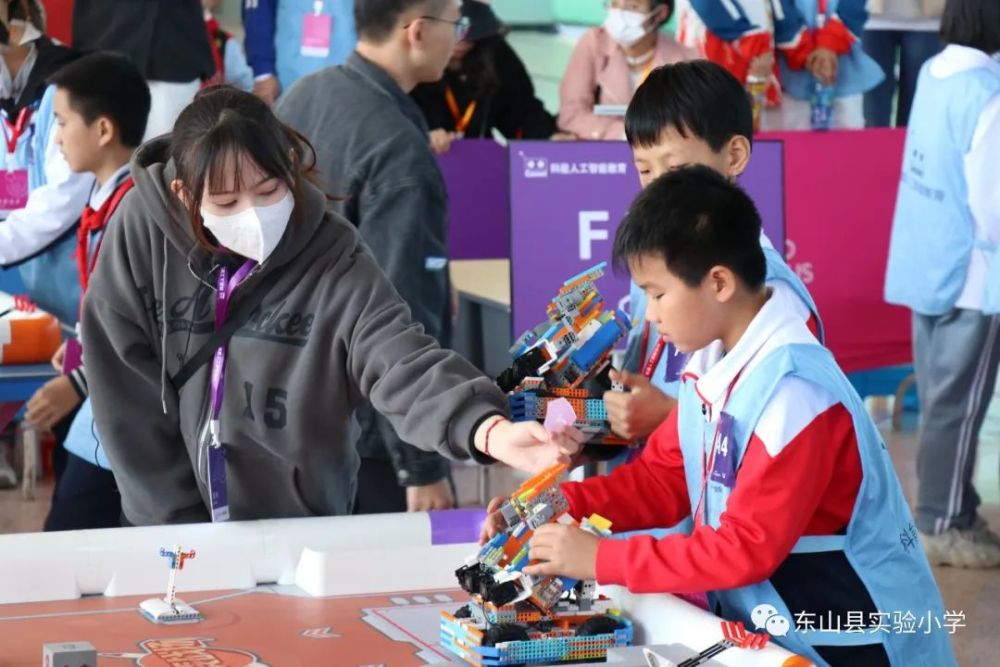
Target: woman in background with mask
[233, 324]
[610, 62]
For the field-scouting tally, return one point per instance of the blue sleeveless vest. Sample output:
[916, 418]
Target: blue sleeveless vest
[933, 231]
[50, 278]
[857, 72]
[291, 65]
[880, 543]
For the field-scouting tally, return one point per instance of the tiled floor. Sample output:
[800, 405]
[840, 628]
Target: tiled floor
[975, 593]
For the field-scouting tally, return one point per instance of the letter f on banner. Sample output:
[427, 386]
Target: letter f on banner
[588, 234]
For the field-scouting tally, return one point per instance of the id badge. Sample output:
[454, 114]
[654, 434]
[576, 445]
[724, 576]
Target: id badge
[676, 362]
[73, 358]
[317, 31]
[723, 466]
[217, 489]
[13, 189]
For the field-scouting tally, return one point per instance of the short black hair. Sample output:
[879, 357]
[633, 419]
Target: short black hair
[973, 23]
[107, 84]
[655, 4]
[374, 20]
[694, 219]
[695, 97]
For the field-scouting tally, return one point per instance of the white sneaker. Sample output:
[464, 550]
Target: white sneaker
[976, 548]
[8, 478]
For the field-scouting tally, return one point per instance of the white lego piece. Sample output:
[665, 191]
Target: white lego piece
[655, 660]
[160, 611]
[69, 654]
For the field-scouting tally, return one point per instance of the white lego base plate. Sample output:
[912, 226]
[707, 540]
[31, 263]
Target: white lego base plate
[158, 611]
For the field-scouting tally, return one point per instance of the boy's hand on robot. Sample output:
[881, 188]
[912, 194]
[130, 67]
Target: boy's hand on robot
[563, 550]
[494, 523]
[636, 413]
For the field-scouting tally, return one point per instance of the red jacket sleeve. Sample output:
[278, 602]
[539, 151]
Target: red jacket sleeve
[648, 492]
[798, 49]
[835, 36]
[775, 501]
[736, 56]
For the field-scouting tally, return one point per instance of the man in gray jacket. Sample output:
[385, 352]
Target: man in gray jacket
[372, 147]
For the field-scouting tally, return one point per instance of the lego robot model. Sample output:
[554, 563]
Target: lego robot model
[735, 636]
[560, 356]
[516, 619]
[171, 610]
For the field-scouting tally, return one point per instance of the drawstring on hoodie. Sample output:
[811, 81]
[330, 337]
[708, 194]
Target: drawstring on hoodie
[163, 331]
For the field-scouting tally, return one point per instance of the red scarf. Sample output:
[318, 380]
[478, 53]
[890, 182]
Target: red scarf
[94, 221]
[217, 40]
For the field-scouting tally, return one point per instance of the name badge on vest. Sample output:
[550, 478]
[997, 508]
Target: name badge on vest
[676, 361]
[723, 465]
[217, 482]
[13, 189]
[317, 32]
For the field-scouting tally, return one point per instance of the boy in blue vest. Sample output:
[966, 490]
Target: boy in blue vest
[791, 489]
[101, 105]
[288, 39]
[688, 113]
[943, 266]
[231, 67]
[41, 197]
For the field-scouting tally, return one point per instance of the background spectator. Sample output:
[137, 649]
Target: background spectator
[166, 39]
[288, 39]
[485, 86]
[609, 63]
[231, 66]
[372, 148]
[903, 31]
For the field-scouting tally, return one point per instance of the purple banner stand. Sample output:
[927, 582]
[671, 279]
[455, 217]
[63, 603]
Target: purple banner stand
[475, 174]
[567, 199]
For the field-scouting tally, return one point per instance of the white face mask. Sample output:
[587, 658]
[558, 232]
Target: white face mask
[626, 27]
[255, 232]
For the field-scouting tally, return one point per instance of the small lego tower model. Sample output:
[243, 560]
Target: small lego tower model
[736, 636]
[69, 654]
[560, 356]
[170, 610]
[515, 619]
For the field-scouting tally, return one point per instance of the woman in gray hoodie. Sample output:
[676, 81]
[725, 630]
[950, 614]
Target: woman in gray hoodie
[225, 224]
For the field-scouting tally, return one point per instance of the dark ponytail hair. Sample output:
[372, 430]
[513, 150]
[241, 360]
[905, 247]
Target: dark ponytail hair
[220, 126]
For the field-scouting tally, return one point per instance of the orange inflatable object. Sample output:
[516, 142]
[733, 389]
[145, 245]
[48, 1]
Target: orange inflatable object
[28, 338]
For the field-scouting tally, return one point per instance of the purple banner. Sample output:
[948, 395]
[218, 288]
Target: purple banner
[567, 199]
[456, 526]
[475, 174]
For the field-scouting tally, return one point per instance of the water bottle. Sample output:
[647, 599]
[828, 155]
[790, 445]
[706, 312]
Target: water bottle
[757, 87]
[821, 117]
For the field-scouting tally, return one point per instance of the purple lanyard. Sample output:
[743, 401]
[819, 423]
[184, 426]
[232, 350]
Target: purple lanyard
[224, 288]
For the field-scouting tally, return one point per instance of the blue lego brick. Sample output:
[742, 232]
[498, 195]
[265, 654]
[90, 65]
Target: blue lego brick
[623, 320]
[598, 267]
[591, 352]
[596, 410]
[525, 406]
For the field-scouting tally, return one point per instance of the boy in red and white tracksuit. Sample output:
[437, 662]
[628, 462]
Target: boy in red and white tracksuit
[793, 496]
